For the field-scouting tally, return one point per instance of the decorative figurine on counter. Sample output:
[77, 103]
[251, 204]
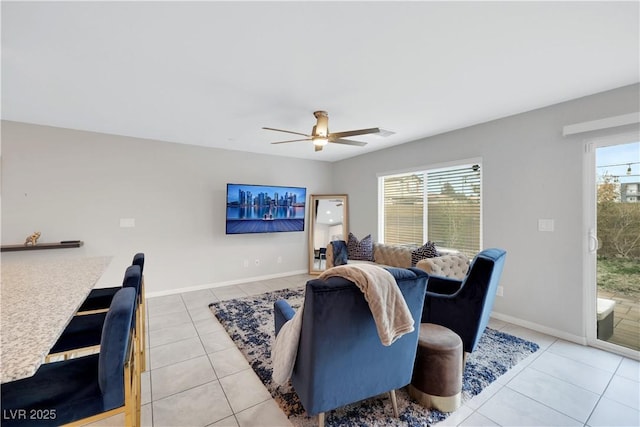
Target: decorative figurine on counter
[33, 239]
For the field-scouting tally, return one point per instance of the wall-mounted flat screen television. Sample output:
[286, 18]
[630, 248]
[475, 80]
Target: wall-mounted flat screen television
[265, 208]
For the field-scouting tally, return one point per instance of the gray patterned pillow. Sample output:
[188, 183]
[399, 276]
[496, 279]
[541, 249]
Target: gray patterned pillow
[428, 250]
[360, 250]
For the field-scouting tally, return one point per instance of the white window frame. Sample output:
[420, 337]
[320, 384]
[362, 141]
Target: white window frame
[436, 167]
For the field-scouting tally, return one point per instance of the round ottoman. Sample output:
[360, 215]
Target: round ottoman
[437, 373]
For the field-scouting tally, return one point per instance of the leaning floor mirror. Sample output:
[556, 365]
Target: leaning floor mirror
[327, 222]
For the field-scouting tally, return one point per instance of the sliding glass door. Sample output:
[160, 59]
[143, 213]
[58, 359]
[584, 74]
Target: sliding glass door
[613, 243]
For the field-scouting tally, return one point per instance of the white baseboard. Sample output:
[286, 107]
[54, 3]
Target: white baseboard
[221, 284]
[540, 328]
[602, 345]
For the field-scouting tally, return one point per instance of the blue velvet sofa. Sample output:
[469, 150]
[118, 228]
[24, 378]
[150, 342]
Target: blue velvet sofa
[340, 357]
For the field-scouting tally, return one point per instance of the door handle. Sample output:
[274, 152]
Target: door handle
[593, 241]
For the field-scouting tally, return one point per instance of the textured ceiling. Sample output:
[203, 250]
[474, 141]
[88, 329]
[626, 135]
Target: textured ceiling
[214, 73]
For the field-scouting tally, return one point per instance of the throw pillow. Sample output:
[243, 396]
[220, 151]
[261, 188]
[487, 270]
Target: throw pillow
[428, 250]
[360, 250]
[339, 252]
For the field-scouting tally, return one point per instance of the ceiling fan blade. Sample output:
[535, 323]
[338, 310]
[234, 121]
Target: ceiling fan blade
[354, 132]
[347, 142]
[287, 131]
[291, 140]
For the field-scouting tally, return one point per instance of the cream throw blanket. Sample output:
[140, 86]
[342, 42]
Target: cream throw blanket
[388, 307]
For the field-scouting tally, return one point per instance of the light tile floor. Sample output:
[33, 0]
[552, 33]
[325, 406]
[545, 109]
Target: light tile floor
[197, 376]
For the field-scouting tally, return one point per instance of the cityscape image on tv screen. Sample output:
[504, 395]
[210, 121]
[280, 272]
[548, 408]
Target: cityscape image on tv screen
[264, 208]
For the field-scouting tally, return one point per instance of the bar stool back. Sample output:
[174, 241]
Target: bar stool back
[83, 333]
[83, 389]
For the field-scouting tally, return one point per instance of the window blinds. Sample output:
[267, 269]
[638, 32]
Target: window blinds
[403, 209]
[453, 208]
[452, 212]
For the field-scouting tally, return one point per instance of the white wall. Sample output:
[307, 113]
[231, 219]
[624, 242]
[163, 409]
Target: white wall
[78, 185]
[529, 172]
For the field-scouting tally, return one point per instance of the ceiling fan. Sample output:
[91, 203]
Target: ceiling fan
[320, 133]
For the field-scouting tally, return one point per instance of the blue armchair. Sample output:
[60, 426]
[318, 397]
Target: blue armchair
[340, 358]
[464, 306]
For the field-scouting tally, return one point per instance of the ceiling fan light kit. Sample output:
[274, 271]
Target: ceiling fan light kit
[320, 135]
[320, 140]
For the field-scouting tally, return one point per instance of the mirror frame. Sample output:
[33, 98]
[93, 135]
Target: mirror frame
[313, 200]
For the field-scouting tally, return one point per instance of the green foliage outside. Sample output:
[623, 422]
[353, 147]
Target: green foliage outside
[619, 229]
[618, 223]
[619, 242]
[619, 275]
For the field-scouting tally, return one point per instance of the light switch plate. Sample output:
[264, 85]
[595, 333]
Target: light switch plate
[546, 225]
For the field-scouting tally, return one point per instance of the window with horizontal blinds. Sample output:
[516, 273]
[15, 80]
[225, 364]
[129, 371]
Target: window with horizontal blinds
[453, 208]
[403, 208]
[451, 216]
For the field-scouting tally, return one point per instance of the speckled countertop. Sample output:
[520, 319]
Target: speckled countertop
[38, 300]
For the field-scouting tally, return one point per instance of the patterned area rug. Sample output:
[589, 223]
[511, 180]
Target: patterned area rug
[249, 322]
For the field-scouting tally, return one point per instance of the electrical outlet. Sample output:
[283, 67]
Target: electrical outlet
[500, 291]
[257, 262]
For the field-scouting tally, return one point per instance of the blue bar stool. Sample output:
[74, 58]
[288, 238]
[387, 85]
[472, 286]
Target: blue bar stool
[99, 299]
[84, 389]
[84, 333]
